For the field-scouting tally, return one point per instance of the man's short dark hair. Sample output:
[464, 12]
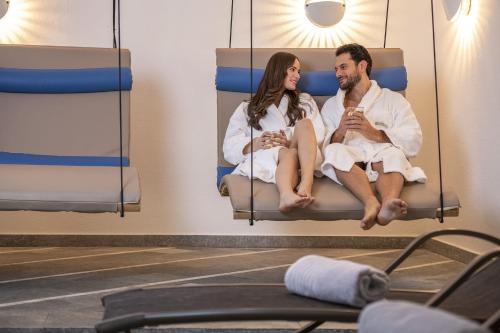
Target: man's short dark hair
[358, 53]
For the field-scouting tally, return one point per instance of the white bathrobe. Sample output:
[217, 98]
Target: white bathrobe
[387, 111]
[265, 161]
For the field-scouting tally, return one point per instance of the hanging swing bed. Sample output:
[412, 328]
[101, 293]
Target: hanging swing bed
[332, 201]
[65, 129]
[239, 72]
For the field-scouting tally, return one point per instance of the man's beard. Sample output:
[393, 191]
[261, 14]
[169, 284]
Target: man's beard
[351, 82]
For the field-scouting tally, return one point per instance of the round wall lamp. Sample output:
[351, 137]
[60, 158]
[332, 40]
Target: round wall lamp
[455, 8]
[4, 6]
[325, 13]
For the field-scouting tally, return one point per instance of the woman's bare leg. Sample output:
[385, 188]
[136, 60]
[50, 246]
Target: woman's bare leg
[357, 182]
[287, 179]
[389, 185]
[304, 140]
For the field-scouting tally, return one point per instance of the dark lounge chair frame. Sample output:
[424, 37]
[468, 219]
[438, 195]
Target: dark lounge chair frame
[317, 315]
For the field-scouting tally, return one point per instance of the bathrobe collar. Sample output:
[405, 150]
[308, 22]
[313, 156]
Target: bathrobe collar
[276, 117]
[368, 99]
[283, 106]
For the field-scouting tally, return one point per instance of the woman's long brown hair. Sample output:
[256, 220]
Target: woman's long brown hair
[272, 88]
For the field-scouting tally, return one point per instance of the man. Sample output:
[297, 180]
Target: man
[373, 145]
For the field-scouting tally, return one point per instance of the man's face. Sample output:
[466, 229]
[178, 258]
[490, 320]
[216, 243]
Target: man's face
[347, 72]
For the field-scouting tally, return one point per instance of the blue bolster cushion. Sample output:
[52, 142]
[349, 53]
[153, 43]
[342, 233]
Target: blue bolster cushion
[63, 81]
[222, 171]
[316, 83]
[32, 159]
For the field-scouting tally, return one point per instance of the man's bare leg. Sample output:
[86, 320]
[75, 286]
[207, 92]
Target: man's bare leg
[357, 182]
[389, 185]
[287, 178]
[304, 140]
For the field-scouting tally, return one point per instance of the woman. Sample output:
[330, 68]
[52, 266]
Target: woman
[287, 129]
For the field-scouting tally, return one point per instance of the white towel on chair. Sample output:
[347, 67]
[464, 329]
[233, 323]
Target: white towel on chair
[392, 317]
[338, 281]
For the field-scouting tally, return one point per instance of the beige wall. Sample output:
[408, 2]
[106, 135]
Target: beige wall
[174, 116]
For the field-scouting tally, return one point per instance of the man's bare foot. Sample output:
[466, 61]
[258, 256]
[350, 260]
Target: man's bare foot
[392, 209]
[292, 200]
[372, 208]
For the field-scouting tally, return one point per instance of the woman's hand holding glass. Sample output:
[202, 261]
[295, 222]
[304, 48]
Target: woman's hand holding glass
[270, 139]
[267, 140]
[275, 139]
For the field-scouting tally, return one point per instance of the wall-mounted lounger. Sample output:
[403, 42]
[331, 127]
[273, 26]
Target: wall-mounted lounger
[60, 129]
[332, 202]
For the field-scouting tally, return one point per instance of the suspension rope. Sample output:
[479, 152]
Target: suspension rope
[441, 218]
[122, 207]
[386, 19]
[114, 24]
[231, 24]
[251, 127]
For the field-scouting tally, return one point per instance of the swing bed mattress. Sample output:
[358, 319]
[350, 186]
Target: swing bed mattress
[332, 201]
[89, 189]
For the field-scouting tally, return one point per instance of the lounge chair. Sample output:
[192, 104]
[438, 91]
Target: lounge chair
[473, 294]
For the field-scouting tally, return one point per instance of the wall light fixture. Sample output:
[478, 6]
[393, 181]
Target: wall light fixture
[455, 8]
[325, 13]
[4, 6]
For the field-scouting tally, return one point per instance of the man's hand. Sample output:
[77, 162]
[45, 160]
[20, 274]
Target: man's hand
[339, 134]
[358, 122]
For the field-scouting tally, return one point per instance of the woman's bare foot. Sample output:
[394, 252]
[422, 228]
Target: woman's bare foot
[291, 200]
[372, 208]
[304, 190]
[392, 209]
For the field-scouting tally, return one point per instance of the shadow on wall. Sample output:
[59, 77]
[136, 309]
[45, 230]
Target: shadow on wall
[464, 39]
[148, 151]
[284, 22]
[22, 21]
[469, 120]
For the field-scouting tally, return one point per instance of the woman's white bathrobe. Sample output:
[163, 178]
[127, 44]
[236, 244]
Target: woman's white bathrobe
[387, 111]
[265, 161]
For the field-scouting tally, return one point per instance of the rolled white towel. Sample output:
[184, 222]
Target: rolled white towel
[338, 281]
[400, 316]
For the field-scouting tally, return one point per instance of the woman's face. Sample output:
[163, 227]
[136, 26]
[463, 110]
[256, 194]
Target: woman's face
[292, 76]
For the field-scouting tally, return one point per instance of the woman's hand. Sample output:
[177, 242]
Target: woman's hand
[268, 140]
[277, 138]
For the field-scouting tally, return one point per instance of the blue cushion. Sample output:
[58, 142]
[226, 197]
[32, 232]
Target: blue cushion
[316, 83]
[221, 172]
[32, 159]
[63, 81]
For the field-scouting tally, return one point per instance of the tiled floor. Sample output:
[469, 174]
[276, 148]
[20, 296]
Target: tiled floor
[59, 289]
